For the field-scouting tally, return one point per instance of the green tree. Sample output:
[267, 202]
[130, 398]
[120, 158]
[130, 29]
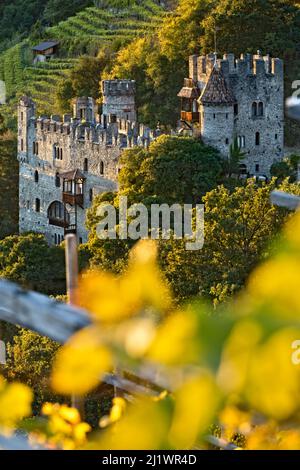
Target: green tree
[9, 185]
[173, 170]
[240, 228]
[28, 260]
[232, 165]
[29, 360]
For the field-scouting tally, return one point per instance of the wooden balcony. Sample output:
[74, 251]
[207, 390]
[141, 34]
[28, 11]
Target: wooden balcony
[189, 116]
[72, 199]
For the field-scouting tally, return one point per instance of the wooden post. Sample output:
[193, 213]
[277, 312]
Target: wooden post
[72, 284]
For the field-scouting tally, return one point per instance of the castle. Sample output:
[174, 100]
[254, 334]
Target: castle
[237, 99]
[65, 162]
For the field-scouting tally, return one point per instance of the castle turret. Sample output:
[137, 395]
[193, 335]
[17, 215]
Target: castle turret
[216, 106]
[26, 111]
[240, 98]
[84, 109]
[118, 100]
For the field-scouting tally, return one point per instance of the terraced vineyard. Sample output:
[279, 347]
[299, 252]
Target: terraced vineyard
[93, 26]
[83, 33]
[40, 82]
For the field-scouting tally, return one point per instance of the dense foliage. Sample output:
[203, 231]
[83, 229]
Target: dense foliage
[28, 260]
[9, 184]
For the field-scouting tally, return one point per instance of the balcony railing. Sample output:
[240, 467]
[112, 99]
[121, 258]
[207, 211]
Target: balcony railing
[58, 222]
[189, 116]
[71, 229]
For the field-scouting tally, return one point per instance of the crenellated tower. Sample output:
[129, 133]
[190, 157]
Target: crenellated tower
[118, 100]
[237, 98]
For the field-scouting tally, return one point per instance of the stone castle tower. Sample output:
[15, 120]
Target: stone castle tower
[242, 99]
[65, 162]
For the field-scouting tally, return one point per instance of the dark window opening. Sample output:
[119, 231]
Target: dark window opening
[36, 176]
[260, 109]
[37, 205]
[227, 141]
[80, 240]
[101, 168]
[22, 145]
[276, 136]
[257, 138]
[91, 195]
[57, 180]
[85, 165]
[254, 109]
[236, 109]
[257, 167]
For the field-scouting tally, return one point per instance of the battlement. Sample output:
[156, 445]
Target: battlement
[118, 88]
[121, 132]
[247, 64]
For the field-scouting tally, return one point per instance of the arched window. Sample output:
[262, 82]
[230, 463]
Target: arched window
[61, 153]
[57, 180]
[254, 109]
[36, 176]
[101, 168]
[91, 194]
[85, 165]
[257, 138]
[55, 239]
[57, 214]
[260, 109]
[37, 205]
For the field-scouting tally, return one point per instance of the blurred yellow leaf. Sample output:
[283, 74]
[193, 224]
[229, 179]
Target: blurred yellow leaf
[196, 404]
[111, 298]
[144, 426]
[175, 341]
[15, 403]
[273, 382]
[236, 355]
[80, 363]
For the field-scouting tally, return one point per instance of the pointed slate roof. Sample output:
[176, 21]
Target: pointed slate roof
[216, 91]
[190, 93]
[72, 175]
